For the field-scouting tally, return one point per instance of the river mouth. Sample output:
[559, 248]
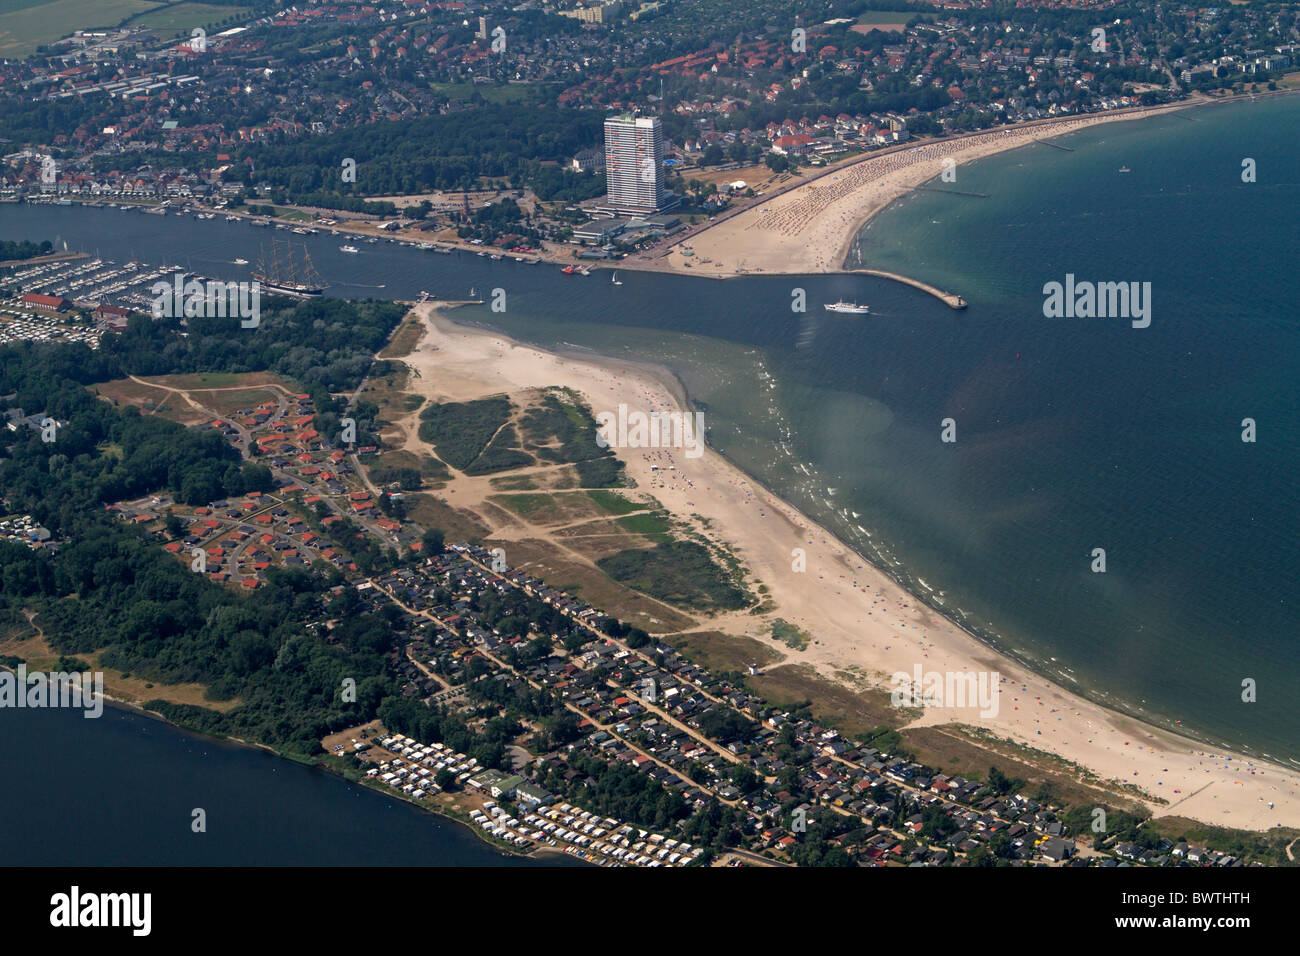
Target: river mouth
[1072, 434]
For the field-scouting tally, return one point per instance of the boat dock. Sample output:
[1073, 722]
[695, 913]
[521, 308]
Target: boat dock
[51, 257]
[950, 299]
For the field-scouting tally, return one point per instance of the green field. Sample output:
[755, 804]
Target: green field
[886, 16]
[526, 505]
[491, 92]
[613, 503]
[682, 574]
[27, 24]
[184, 17]
[648, 525]
[9, 6]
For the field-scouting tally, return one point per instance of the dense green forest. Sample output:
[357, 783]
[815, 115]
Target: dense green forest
[10, 249]
[102, 454]
[451, 152]
[110, 587]
[325, 344]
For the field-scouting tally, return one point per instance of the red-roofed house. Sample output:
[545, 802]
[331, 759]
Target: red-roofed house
[48, 304]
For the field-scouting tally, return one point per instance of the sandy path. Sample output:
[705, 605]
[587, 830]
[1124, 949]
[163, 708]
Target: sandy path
[857, 615]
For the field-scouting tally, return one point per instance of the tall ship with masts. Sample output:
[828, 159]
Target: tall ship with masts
[282, 272]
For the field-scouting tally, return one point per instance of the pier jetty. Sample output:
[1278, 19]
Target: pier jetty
[950, 299]
[952, 192]
[51, 257]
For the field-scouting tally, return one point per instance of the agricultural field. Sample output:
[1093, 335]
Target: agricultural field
[183, 17]
[28, 24]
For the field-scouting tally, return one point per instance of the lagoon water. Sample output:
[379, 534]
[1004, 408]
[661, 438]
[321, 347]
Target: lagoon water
[120, 790]
[1072, 434]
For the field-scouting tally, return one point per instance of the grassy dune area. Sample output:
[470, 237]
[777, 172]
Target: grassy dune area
[723, 653]
[796, 686]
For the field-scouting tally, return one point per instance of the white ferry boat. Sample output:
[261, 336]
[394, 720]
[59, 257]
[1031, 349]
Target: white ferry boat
[851, 307]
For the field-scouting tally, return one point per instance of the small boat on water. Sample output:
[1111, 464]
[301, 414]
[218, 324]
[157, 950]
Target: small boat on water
[494, 256]
[850, 307]
[569, 270]
[241, 262]
[615, 279]
[348, 249]
[1125, 169]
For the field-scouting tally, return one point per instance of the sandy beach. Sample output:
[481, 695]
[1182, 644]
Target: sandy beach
[858, 617]
[811, 228]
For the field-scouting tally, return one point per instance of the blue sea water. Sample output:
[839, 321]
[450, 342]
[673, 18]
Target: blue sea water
[1072, 434]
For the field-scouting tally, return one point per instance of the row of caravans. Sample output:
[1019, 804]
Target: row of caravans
[587, 834]
[414, 766]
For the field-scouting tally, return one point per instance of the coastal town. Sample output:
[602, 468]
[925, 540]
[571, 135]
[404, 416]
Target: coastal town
[155, 117]
[582, 734]
[697, 737]
[415, 552]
